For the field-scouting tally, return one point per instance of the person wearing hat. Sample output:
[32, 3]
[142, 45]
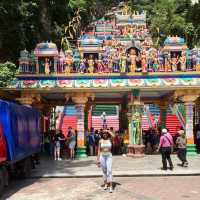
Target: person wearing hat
[181, 144]
[104, 158]
[165, 147]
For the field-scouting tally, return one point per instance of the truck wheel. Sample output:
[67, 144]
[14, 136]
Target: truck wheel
[6, 176]
[26, 168]
[1, 181]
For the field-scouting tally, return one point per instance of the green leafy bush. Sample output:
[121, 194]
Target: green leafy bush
[8, 71]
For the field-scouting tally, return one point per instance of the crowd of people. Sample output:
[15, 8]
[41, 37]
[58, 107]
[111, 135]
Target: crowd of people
[104, 143]
[93, 137]
[62, 146]
[59, 146]
[161, 141]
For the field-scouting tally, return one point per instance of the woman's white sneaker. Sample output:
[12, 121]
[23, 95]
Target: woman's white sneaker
[110, 190]
[105, 187]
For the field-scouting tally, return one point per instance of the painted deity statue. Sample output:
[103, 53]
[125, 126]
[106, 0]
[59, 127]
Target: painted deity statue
[105, 63]
[174, 62]
[133, 59]
[160, 62]
[47, 66]
[68, 63]
[144, 61]
[155, 62]
[167, 63]
[150, 60]
[82, 68]
[135, 128]
[116, 63]
[182, 61]
[123, 63]
[91, 64]
[100, 66]
[110, 64]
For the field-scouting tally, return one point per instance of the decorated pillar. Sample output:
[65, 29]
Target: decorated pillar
[189, 102]
[80, 100]
[188, 97]
[189, 126]
[135, 110]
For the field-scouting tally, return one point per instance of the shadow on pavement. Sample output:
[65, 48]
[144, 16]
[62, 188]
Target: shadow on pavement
[17, 185]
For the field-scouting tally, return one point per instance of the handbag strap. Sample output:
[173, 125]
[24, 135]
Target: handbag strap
[168, 140]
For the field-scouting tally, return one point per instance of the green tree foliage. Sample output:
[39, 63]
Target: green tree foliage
[23, 23]
[171, 17]
[8, 71]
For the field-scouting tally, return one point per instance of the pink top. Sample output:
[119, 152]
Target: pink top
[166, 140]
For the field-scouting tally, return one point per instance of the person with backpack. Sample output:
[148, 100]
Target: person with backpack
[182, 151]
[57, 145]
[165, 147]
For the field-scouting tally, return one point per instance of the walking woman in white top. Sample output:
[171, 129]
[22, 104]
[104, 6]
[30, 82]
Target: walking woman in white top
[104, 159]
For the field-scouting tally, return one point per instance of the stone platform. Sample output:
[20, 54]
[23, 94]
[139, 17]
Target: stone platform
[122, 167]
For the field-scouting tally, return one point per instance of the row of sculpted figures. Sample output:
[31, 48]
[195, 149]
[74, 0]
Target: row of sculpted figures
[118, 62]
[133, 61]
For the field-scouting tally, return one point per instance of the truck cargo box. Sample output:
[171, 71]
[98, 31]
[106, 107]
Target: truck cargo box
[21, 129]
[3, 154]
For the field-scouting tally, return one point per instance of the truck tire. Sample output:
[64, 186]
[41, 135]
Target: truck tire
[6, 176]
[26, 168]
[1, 181]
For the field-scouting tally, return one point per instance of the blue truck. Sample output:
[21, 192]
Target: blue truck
[20, 140]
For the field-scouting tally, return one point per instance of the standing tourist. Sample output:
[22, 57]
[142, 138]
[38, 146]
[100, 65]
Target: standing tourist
[72, 144]
[57, 138]
[165, 147]
[62, 144]
[181, 144]
[104, 159]
[91, 142]
[87, 141]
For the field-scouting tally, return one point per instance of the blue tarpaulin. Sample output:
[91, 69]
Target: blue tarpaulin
[21, 128]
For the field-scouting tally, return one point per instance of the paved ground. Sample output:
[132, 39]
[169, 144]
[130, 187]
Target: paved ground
[122, 166]
[128, 188]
